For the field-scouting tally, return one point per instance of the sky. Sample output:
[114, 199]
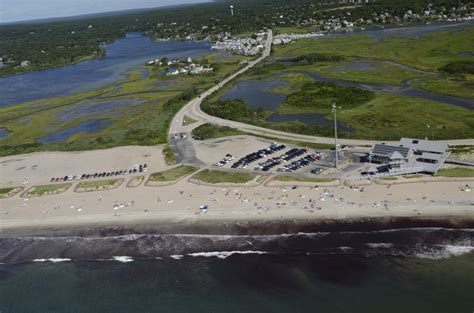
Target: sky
[23, 10]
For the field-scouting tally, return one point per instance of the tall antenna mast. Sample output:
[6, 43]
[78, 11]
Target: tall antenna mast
[334, 110]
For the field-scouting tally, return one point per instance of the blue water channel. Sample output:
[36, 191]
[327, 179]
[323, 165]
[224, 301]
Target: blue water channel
[123, 55]
[4, 133]
[257, 93]
[92, 126]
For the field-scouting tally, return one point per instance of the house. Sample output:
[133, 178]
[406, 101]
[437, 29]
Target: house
[25, 63]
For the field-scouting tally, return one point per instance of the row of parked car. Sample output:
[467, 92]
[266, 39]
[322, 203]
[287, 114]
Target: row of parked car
[136, 169]
[291, 154]
[295, 165]
[252, 157]
[228, 157]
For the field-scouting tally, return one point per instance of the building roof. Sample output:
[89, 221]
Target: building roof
[395, 155]
[387, 150]
[425, 145]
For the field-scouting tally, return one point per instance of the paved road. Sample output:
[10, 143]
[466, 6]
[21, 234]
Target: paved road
[190, 108]
[185, 153]
[193, 110]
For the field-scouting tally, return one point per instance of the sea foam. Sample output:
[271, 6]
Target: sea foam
[52, 260]
[223, 254]
[445, 252]
[376, 245]
[123, 259]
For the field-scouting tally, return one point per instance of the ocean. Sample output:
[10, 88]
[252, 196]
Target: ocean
[403, 270]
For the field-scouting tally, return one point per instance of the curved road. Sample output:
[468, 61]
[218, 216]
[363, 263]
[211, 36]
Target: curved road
[193, 110]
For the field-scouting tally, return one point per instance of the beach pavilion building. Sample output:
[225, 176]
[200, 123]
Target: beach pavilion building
[409, 156]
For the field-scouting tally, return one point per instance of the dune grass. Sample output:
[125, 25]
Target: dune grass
[96, 184]
[456, 172]
[135, 181]
[4, 191]
[172, 174]
[289, 178]
[46, 189]
[217, 177]
[413, 176]
[170, 157]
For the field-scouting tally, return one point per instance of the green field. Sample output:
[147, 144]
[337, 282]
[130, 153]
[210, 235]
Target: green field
[219, 177]
[429, 61]
[96, 184]
[456, 172]
[287, 178]
[188, 121]
[392, 117]
[172, 174]
[393, 59]
[460, 86]
[378, 116]
[426, 52]
[212, 131]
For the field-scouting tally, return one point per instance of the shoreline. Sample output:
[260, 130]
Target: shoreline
[232, 227]
[398, 237]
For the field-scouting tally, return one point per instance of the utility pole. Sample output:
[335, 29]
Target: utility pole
[334, 110]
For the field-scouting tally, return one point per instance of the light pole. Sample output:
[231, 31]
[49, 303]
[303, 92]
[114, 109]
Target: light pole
[334, 110]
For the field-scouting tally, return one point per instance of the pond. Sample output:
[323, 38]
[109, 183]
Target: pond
[92, 126]
[123, 55]
[465, 54]
[256, 93]
[145, 73]
[313, 119]
[4, 133]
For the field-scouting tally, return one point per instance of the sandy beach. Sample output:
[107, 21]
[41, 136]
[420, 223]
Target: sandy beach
[180, 201]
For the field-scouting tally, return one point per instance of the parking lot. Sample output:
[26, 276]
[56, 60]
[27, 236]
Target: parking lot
[137, 169]
[261, 155]
[40, 168]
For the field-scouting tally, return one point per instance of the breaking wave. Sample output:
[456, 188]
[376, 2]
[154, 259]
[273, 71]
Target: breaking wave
[224, 254]
[123, 259]
[434, 243]
[52, 260]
